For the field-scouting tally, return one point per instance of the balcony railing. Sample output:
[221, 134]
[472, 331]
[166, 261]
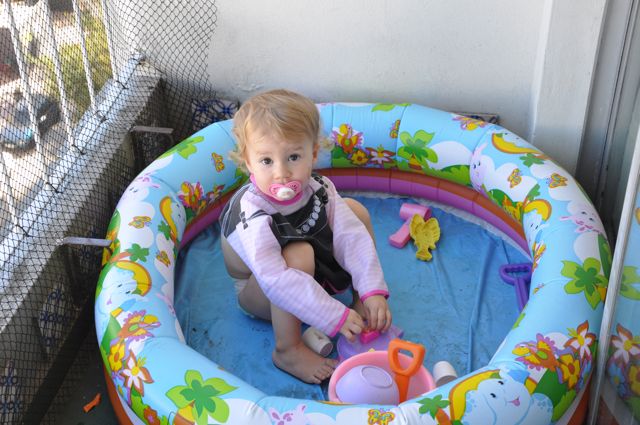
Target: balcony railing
[89, 92]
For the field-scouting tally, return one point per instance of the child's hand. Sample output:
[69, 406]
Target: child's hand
[352, 326]
[377, 313]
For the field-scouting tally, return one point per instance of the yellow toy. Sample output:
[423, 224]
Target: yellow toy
[425, 234]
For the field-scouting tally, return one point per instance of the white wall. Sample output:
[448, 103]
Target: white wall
[530, 62]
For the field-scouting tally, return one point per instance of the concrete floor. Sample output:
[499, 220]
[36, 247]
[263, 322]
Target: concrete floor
[84, 380]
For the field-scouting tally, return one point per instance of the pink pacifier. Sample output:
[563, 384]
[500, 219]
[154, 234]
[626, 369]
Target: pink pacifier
[285, 192]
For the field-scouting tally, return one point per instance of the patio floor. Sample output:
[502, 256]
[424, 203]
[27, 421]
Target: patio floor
[84, 380]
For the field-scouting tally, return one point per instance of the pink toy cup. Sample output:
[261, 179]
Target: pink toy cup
[420, 383]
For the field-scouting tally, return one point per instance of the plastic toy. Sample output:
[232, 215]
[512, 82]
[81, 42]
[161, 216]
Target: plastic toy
[317, 341]
[519, 276]
[375, 341]
[124, 289]
[403, 374]
[367, 384]
[400, 238]
[367, 390]
[368, 336]
[425, 235]
[443, 373]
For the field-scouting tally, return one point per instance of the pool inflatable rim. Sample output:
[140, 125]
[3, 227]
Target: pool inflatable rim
[389, 181]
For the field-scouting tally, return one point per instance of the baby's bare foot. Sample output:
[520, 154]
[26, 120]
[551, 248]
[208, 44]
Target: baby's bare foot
[304, 364]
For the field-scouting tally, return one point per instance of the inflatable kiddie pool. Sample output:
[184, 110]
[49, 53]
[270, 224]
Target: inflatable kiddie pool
[539, 374]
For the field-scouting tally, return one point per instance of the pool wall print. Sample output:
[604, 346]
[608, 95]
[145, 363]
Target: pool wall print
[538, 375]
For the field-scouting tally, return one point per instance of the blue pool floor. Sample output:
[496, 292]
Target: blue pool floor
[456, 305]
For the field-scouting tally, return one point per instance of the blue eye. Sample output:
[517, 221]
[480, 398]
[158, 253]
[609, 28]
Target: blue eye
[294, 157]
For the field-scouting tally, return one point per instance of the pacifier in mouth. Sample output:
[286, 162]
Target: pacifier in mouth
[285, 192]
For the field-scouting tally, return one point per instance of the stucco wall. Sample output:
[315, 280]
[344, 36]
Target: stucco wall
[529, 62]
[427, 52]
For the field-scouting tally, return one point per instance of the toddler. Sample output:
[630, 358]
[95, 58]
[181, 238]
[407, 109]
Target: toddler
[291, 242]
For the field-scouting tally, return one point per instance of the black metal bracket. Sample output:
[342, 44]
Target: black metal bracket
[73, 267]
[138, 151]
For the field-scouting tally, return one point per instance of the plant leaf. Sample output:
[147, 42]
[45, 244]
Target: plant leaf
[220, 385]
[175, 395]
[605, 255]
[220, 410]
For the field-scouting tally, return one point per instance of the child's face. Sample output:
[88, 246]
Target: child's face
[272, 159]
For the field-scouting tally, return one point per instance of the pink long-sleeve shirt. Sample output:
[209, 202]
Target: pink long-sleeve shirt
[293, 290]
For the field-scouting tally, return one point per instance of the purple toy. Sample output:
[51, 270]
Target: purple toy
[519, 276]
[370, 341]
[367, 384]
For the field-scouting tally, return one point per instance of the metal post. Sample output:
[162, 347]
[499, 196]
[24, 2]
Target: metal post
[77, 287]
[77, 240]
[615, 279]
[85, 55]
[24, 80]
[11, 202]
[138, 151]
[109, 29]
[57, 66]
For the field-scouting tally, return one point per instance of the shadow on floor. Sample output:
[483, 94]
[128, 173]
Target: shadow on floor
[84, 380]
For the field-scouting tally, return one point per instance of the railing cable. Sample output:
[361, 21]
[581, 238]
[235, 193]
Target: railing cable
[24, 82]
[109, 30]
[64, 102]
[85, 55]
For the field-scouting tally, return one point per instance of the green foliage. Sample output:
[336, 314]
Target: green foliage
[165, 229]
[137, 404]
[202, 397]
[240, 175]
[529, 159]
[386, 107]
[585, 278]
[499, 197]
[113, 327]
[186, 148]
[416, 146]
[518, 320]
[634, 403]
[240, 178]
[138, 253]
[630, 279]
[551, 386]
[432, 405]
[454, 173]
[73, 75]
[534, 193]
[605, 255]
[564, 403]
[339, 159]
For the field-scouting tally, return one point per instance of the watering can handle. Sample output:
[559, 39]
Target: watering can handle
[402, 376]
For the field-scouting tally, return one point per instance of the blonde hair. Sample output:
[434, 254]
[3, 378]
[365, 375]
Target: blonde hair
[282, 113]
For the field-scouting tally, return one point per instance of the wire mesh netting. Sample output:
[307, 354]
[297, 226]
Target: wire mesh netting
[91, 91]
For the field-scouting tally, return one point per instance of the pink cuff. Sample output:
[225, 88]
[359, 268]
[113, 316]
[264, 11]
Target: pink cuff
[376, 292]
[340, 323]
